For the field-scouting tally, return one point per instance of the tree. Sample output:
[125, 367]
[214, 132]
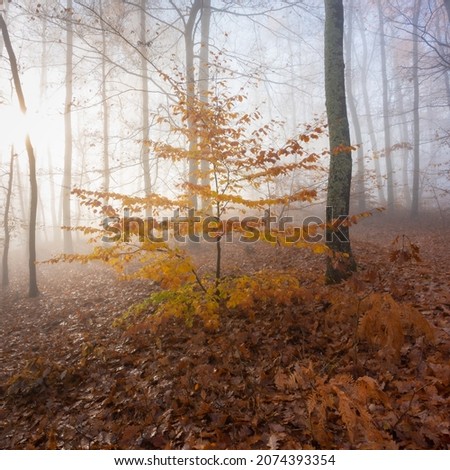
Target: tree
[67, 180]
[341, 264]
[386, 120]
[6, 228]
[145, 150]
[203, 84]
[105, 108]
[415, 71]
[240, 159]
[360, 189]
[368, 112]
[32, 287]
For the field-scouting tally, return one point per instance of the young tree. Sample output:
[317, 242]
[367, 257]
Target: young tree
[342, 264]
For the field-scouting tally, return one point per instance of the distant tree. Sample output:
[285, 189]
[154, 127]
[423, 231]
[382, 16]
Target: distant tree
[360, 183]
[386, 114]
[6, 222]
[68, 143]
[341, 264]
[415, 71]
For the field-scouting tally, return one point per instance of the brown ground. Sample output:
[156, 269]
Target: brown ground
[69, 379]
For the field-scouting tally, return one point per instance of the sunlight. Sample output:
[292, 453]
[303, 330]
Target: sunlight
[42, 128]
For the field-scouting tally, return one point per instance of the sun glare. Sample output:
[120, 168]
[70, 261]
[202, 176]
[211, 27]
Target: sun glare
[43, 129]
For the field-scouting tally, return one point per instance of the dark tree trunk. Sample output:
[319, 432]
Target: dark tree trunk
[341, 264]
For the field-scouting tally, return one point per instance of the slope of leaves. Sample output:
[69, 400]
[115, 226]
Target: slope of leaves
[296, 374]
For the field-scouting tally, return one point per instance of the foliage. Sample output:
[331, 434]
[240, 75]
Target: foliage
[241, 164]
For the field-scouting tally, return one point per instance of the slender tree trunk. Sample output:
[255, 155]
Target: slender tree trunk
[190, 98]
[21, 190]
[341, 265]
[368, 112]
[203, 87]
[33, 287]
[415, 70]
[386, 120]
[360, 186]
[145, 149]
[68, 144]
[5, 270]
[405, 140]
[105, 113]
[53, 203]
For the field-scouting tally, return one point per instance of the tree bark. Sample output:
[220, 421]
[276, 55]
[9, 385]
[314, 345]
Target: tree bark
[341, 265]
[33, 290]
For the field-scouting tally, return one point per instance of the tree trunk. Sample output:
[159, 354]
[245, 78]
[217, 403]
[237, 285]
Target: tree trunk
[105, 113]
[67, 179]
[5, 270]
[341, 265]
[145, 149]
[360, 186]
[415, 70]
[33, 288]
[368, 112]
[190, 97]
[405, 140]
[203, 86]
[386, 120]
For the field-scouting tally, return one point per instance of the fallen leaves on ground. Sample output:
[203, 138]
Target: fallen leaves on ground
[289, 377]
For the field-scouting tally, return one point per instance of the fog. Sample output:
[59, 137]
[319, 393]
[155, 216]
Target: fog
[123, 90]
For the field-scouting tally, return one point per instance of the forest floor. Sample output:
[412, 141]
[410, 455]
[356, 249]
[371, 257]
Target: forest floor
[298, 376]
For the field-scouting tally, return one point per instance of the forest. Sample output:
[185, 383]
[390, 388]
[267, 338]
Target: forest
[225, 224]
